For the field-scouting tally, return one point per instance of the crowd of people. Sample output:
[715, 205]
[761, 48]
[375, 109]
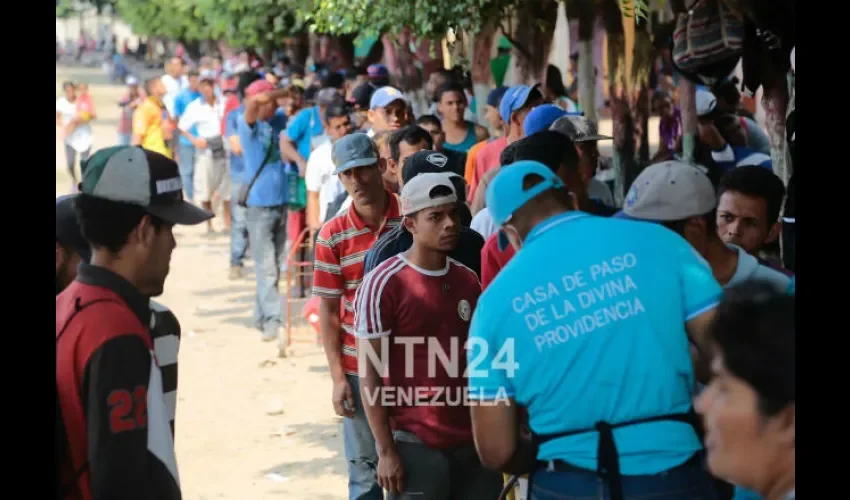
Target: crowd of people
[487, 309]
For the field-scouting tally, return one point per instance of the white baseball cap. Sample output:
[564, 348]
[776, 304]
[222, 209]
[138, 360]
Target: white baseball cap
[418, 194]
[706, 102]
[669, 191]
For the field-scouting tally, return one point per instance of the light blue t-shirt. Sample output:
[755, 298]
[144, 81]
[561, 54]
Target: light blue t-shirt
[270, 188]
[306, 125]
[181, 102]
[597, 329]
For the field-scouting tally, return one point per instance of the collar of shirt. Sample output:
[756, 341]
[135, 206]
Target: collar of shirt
[551, 222]
[102, 277]
[393, 211]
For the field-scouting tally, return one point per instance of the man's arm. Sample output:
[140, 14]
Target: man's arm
[253, 103]
[481, 133]
[290, 152]
[332, 335]
[231, 131]
[115, 389]
[495, 429]
[698, 329]
[189, 119]
[140, 126]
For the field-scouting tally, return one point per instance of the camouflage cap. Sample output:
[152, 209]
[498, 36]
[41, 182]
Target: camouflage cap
[578, 129]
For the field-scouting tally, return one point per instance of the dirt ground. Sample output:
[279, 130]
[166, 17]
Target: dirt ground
[250, 426]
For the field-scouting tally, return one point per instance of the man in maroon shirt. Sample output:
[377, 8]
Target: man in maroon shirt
[417, 411]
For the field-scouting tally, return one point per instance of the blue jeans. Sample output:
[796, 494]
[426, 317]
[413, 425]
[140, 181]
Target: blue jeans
[238, 225]
[689, 481]
[360, 451]
[267, 234]
[124, 139]
[186, 164]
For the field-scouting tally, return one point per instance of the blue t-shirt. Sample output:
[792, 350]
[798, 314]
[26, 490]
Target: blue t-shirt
[181, 102]
[597, 334]
[270, 188]
[231, 127]
[306, 125]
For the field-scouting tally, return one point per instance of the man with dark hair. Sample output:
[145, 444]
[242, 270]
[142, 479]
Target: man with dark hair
[549, 148]
[585, 135]
[749, 408]
[468, 247]
[424, 450]
[113, 386]
[322, 186]
[680, 197]
[337, 272]
[601, 312]
[403, 143]
[434, 127]
[389, 109]
[150, 129]
[748, 206]
[460, 134]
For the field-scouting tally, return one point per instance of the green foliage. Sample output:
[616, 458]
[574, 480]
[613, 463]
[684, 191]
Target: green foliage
[638, 9]
[64, 9]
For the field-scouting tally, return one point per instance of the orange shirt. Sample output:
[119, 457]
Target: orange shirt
[148, 123]
[469, 168]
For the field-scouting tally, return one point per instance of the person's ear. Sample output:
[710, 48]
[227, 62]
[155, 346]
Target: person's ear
[785, 424]
[774, 232]
[382, 165]
[409, 224]
[61, 256]
[371, 115]
[145, 232]
[695, 229]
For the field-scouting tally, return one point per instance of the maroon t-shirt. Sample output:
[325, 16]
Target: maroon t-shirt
[398, 300]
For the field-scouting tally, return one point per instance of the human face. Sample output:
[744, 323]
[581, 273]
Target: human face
[437, 135]
[742, 220]
[364, 184]
[193, 83]
[67, 262]
[405, 151]
[339, 126]
[452, 105]
[70, 92]
[154, 248]
[588, 159]
[730, 128]
[493, 118]
[175, 67]
[207, 89]
[665, 107]
[436, 228]
[158, 89]
[392, 117]
[518, 116]
[743, 444]
[434, 82]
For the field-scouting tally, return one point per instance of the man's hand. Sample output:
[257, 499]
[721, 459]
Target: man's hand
[343, 399]
[199, 143]
[390, 472]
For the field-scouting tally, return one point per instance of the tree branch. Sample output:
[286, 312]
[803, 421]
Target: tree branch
[518, 46]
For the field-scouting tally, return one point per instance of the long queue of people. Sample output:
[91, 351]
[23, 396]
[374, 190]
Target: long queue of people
[484, 306]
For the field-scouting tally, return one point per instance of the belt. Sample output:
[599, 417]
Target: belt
[562, 466]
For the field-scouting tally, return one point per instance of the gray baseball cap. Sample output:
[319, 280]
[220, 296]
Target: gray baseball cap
[352, 151]
[669, 191]
[327, 96]
[578, 129]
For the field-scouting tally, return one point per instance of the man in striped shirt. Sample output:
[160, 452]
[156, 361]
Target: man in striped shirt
[338, 270]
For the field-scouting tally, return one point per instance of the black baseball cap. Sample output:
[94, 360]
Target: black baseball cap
[424, 162]
[362, 95]
[68, 232]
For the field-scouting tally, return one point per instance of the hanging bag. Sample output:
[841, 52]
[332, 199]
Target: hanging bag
[708, 39]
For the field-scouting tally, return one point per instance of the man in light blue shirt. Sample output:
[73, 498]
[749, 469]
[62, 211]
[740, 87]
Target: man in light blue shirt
[185, 148]
[591, 336]
[681, 197]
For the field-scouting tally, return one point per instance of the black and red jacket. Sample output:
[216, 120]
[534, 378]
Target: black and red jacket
[120, 443]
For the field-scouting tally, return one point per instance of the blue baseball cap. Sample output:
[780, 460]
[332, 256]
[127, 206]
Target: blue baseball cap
[386, 95]
[541, 118]
[495, 96]
[505, 194]
[352, 151]
[514, 99]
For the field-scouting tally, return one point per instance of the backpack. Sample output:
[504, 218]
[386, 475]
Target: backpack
[63, 488]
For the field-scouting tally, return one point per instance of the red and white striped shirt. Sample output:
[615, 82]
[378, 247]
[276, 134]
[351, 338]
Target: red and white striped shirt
[338, 265]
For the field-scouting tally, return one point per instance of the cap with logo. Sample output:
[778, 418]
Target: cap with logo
[515, 98]
[418, 194]
[361, 96]
[424, 161]
[578, 129]
[541, 117]
[669, 191]
[384, 96]
[505, 194]
[68, 232]
[140, 177]
[352, 151]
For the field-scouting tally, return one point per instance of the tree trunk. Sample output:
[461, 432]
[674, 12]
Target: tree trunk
[688, 108]
[534, 31]
[643, 54]
[619, 96]
[775, 102]
[344, 51]
[299, 48]
[586, 13]
[482, 47]
[193, 48]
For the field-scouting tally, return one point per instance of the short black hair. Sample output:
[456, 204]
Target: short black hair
[106, 223]
[758, 182]
[450, 86]
[336, 110]
[333, 80]
[754, 330]
[411, 134]
[548, 147]
[429, 120]
[728, 90]
[68, 83]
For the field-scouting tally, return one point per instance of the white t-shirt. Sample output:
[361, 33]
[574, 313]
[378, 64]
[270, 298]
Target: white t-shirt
[81, 138]
[483, 223]
[207, 118]
[319, 177]
[173, 86]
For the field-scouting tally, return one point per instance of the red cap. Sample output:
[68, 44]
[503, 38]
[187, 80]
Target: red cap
[258, 87]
